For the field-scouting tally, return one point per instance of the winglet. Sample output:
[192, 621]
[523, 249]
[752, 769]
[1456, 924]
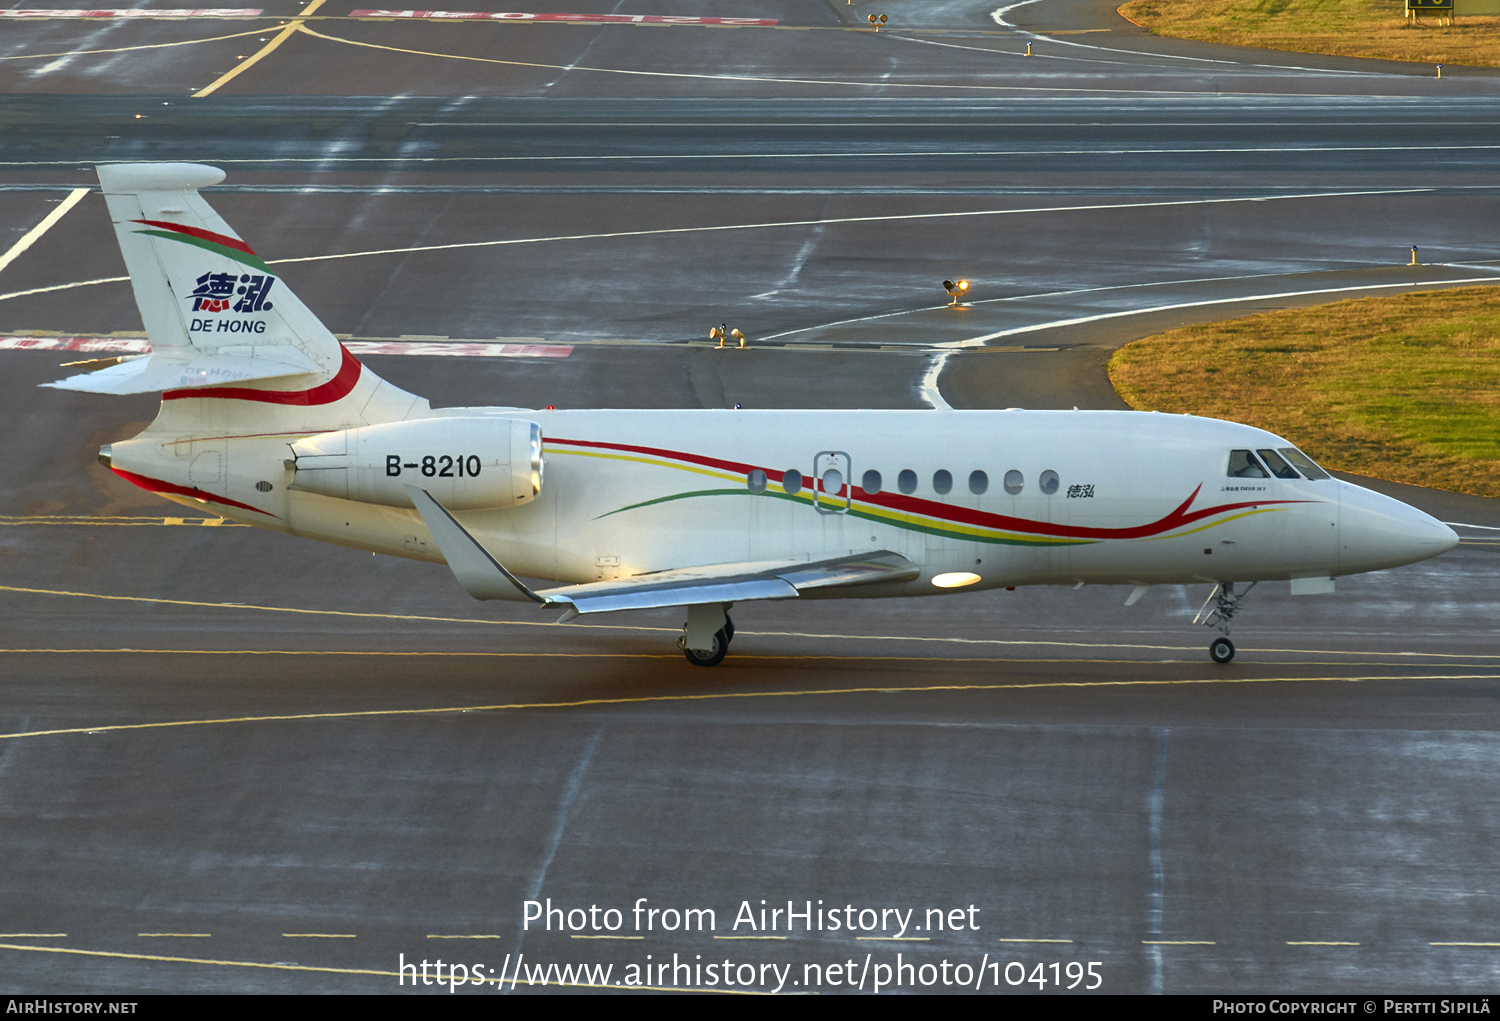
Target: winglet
[481, 575]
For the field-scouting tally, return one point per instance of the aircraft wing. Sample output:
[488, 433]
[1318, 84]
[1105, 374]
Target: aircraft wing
[485, 578]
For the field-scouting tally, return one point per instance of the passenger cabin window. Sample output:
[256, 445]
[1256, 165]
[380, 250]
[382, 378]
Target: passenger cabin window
[1243, 465]
[871, 482]
[791, 481]
[1279, 467]
[1048, 481]
[907, 481]
[1304, 463]
[979, 482]
[942, 482]
[1014, 482]
[756, 481]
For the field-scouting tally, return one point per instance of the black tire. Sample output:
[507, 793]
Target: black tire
[1221, 651]
[728, 629]
[714, 658]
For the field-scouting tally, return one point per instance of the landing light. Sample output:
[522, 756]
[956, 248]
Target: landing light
[958, 579]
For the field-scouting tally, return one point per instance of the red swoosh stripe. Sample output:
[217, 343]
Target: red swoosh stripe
[151, 485]
[964, 515]
[200, 234]
[336, 389]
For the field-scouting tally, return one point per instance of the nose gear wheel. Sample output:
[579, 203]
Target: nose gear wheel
[1226, 603]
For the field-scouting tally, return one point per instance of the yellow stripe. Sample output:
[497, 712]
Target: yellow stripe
[763, 634]
[653, 461]
[606, 937]
[1215, 524]
[319, 935]
[717, 696]
[888, 516]
[329, 613]
[356, 971]
[127, 49]
[244, 65]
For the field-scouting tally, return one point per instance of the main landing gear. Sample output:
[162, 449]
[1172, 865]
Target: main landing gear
[707, 634]
[1226, 602]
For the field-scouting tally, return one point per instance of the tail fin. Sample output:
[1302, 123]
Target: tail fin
[218, 316]
[211, 306]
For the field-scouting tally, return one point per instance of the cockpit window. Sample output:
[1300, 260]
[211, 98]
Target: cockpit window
[1278, 467]
[1243, 465]
[1303, 463]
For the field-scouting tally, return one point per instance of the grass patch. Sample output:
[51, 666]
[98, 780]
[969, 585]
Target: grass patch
[1405, 388]
[1347, 28]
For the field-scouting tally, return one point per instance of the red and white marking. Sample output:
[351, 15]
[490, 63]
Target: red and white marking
[626, 19]
[474, 349]
[459, 350]
[140, 12]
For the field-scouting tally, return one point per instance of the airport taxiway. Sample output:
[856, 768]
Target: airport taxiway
[234, 761]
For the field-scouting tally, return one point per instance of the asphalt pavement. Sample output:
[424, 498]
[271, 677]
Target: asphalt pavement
[236, 761]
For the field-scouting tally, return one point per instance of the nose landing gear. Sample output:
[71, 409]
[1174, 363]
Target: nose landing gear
[1226, 602]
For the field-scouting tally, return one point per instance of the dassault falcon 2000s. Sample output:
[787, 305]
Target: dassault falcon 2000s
[267, 419]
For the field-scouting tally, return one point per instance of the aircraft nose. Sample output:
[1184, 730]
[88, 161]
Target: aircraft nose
[1376, 532]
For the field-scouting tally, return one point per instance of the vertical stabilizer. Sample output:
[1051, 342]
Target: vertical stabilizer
[214, 311]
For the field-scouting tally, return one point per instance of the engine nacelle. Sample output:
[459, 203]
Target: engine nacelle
[465, 463]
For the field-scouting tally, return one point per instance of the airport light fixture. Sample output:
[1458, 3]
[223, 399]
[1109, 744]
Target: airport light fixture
[723, 333]
[877, 20]
[955, 290]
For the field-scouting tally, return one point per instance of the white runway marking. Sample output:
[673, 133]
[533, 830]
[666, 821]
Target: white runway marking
[1033, 328]
[34, 234]
[927, 387]
[889, 218]
[588, 19]
[866, 154]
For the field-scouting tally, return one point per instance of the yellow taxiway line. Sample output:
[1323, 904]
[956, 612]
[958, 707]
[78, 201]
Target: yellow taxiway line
[250, 61]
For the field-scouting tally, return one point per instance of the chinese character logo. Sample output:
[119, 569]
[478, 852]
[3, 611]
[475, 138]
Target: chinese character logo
[215, 291]
[1080, 492]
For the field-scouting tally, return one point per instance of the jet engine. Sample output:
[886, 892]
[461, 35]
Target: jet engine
[465, 463]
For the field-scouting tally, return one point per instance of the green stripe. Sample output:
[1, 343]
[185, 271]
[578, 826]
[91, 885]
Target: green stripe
[863, 515]
[253, 261]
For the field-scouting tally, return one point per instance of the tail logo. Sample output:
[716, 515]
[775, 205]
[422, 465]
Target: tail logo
[215, 291]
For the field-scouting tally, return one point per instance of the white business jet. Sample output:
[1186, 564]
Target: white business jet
[268, 420]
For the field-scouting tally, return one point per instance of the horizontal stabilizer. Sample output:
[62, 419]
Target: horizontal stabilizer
[171, 370]
[483, 577]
